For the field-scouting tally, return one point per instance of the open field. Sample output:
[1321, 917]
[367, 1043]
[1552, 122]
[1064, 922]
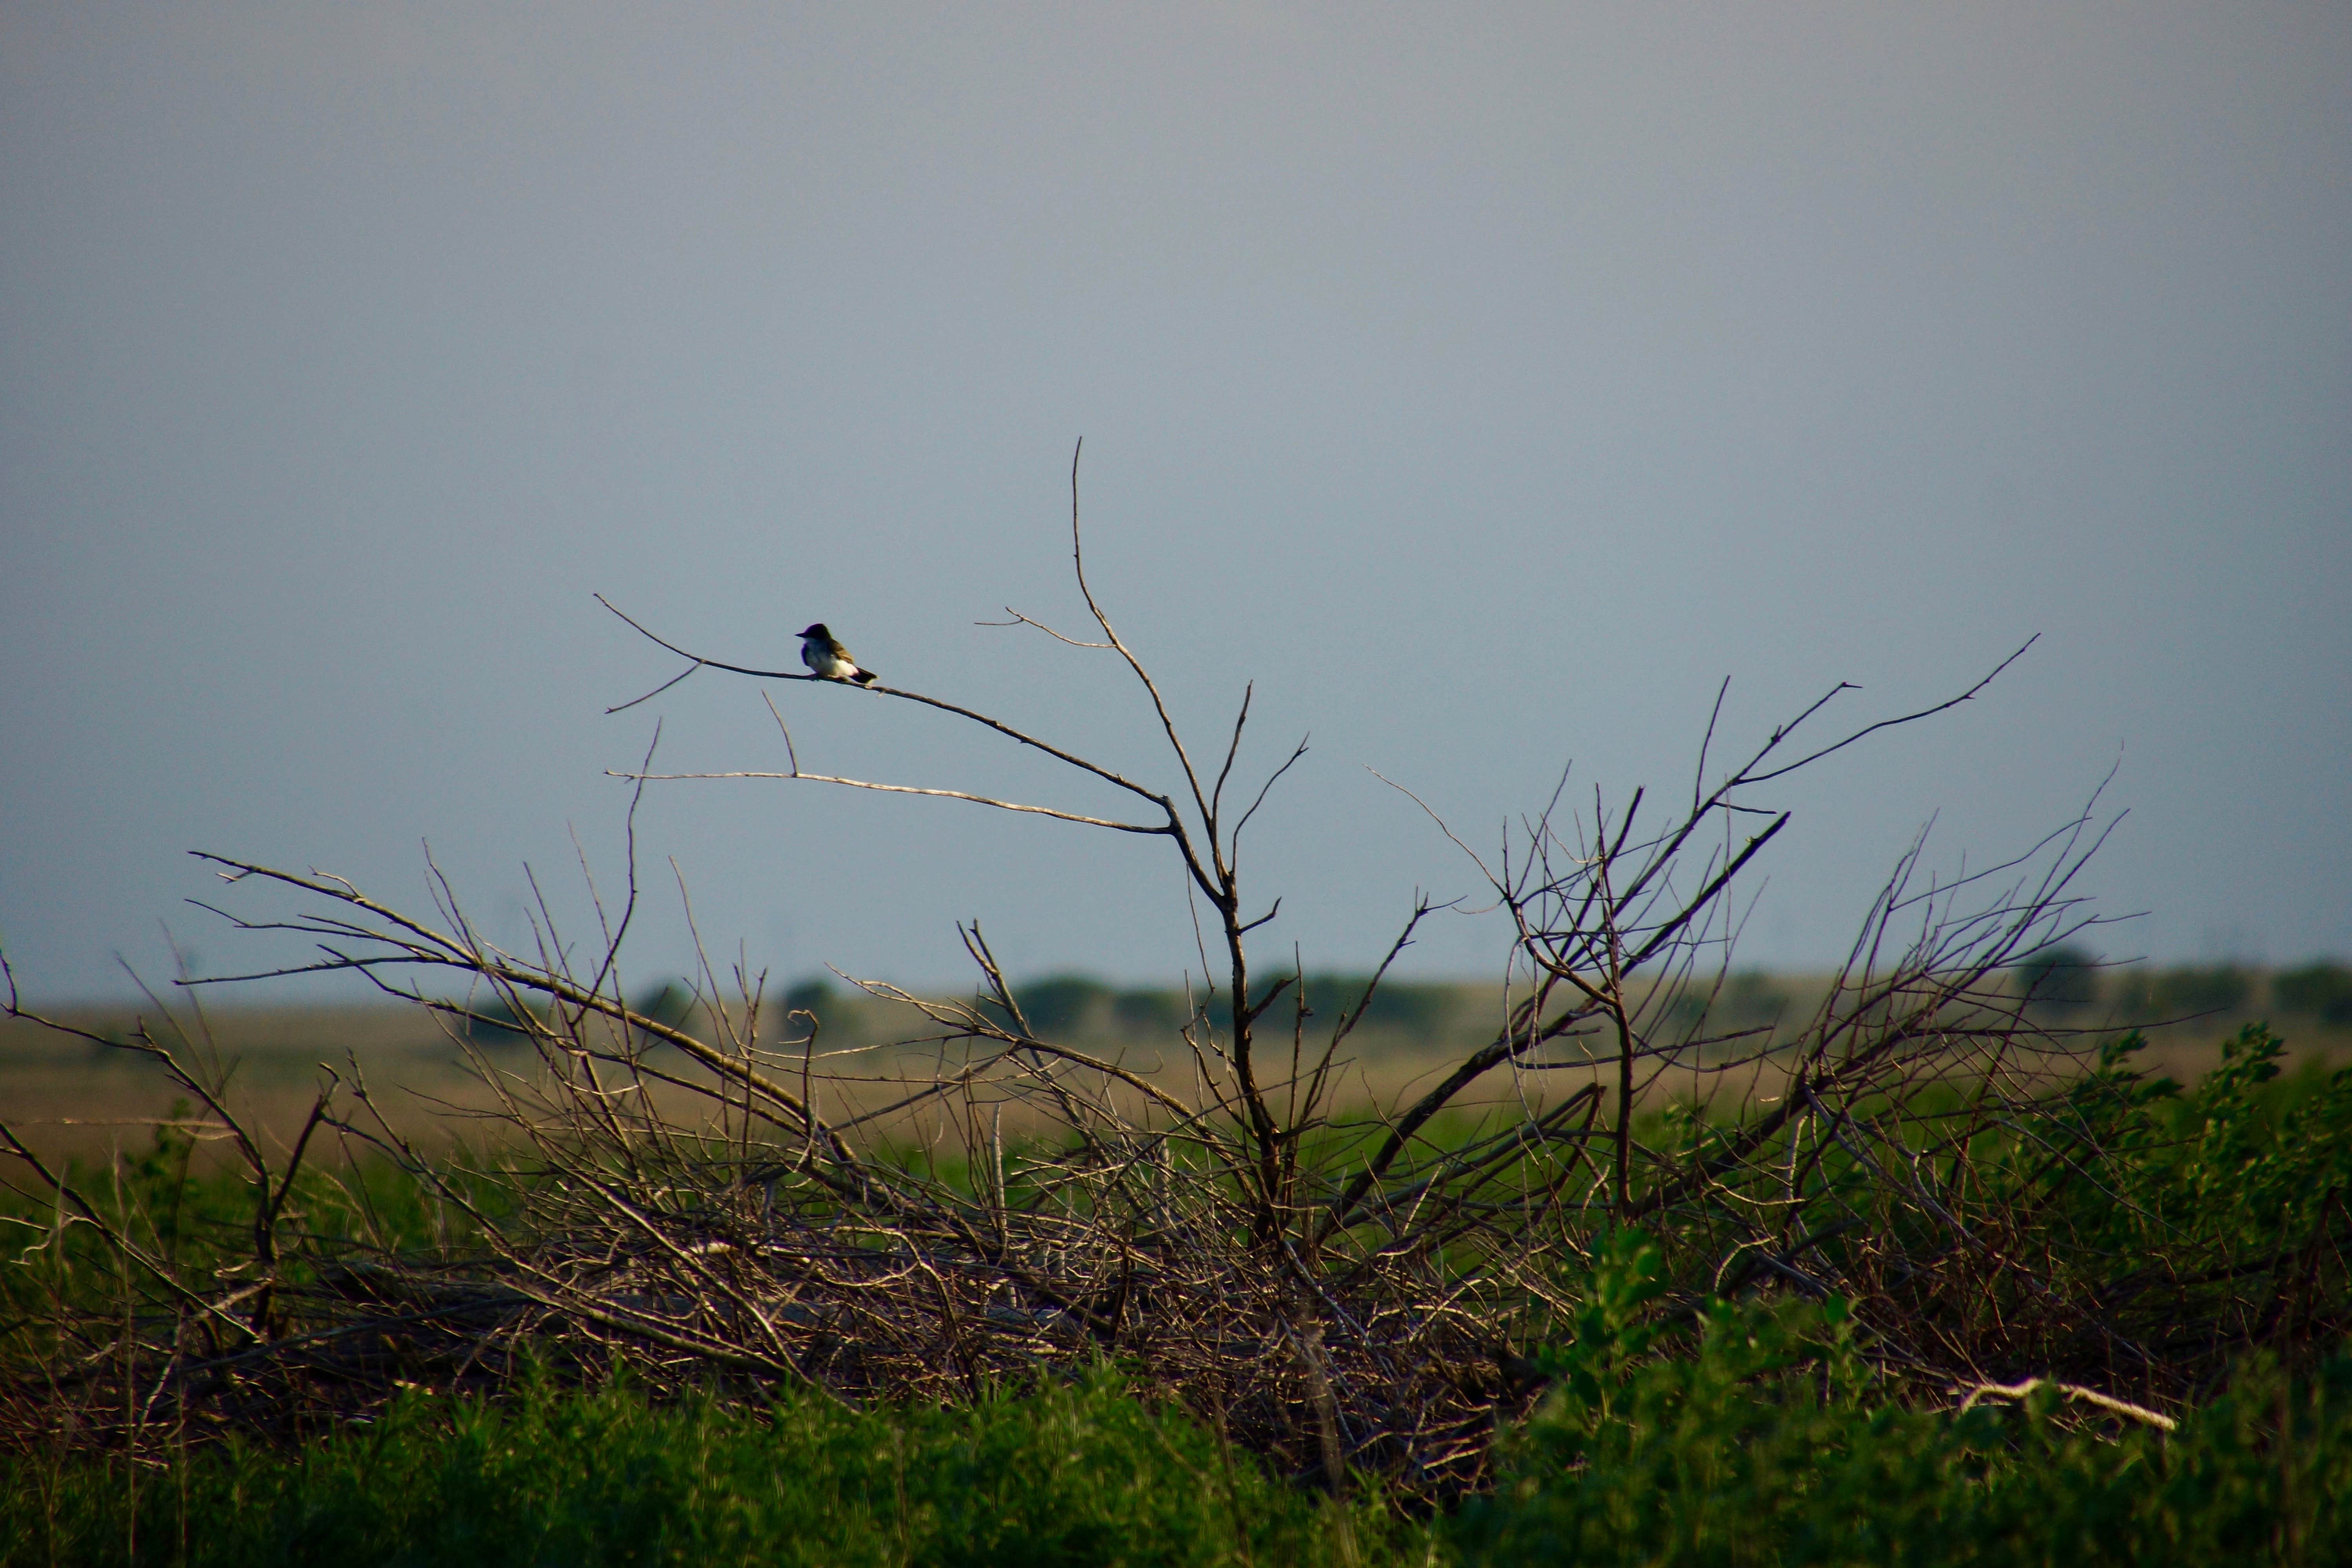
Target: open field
[73, 1098]
[402, 1390]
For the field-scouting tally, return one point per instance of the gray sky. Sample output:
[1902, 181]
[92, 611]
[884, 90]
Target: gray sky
[1487, 381]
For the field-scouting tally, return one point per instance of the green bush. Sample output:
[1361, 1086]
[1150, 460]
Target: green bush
[1398, 1005]
[2233, 1171]
[1084, 1474]
[1776, 1444]
[1160, 1012]
[1738, 1003]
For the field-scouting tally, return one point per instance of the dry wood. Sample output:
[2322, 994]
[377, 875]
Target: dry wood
[1336, 1288]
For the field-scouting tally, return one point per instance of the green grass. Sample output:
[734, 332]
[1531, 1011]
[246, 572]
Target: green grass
[1759, 1433]
[1069, 1475]
[1775, 1443]
[1771, 1444]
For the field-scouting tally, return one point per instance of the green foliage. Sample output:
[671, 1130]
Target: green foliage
[1398, 1005]
[197, 1217]
[1160, 1012]
[2234, 1171]
[2321, 991]
[1749, 1433]
[1071, 1003]
[1083, 1474]
[1611, 1329]
[1775, 1443]
[1673, 1431]
[2214, 988]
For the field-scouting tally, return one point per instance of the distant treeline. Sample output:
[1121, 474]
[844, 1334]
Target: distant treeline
[2067, 979]
[2061, 981]
[1077, 1004]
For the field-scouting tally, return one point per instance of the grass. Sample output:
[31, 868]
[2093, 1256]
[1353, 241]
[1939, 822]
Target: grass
[1760, 1431]
[1772, 1443]
[70, 1098]
[1073, 1475]
[722, 1317]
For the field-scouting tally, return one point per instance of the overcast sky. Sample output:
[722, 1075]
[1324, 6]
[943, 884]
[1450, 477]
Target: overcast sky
[1486, 382]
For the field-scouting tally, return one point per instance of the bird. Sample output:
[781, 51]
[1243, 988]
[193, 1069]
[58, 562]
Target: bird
[828, 659]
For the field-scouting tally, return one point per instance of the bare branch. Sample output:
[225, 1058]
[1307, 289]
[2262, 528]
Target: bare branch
[1167, 724]
[911, 789]
[2074, 1391]
[1950, 702]
[1021, 620]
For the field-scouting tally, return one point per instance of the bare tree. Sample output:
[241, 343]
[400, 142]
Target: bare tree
[1340, 1284]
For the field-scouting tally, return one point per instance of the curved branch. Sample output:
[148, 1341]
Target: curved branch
[1175, 829]
[1167, 724]
[1233, 846]
[1475, 1067]
[1233, 749]
[433, 948]
[1890, 723]
[1031, 621]
[1662, 853]
[2106, 1402]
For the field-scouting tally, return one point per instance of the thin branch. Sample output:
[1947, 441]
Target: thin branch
[791, 751]
[1234, 850]
[1021, 620]
[1901, 719]
[1194, 868]
[1167, 724]
[911, 789]
[2075, 1391]
[656, 692]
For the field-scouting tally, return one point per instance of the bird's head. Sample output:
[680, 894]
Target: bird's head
[816, 629]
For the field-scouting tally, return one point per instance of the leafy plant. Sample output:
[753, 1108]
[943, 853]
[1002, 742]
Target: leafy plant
[1061, 1475]
[1775, 1441]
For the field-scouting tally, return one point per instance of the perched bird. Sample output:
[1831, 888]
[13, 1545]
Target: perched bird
[822, 653]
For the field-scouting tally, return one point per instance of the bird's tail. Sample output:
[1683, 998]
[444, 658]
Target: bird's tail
[864, 678]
